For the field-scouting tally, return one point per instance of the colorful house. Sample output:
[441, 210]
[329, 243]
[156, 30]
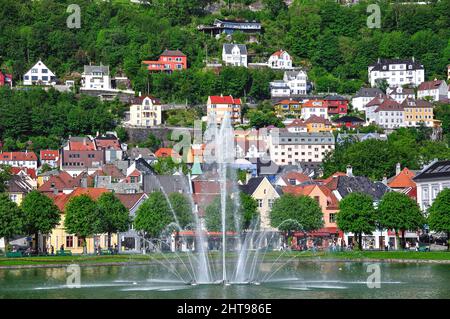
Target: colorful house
[316, 124]
[169, 61]
[336, 104]
[5, 79]
[288, 108]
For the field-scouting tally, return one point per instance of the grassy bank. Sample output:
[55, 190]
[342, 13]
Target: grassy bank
[117, 259]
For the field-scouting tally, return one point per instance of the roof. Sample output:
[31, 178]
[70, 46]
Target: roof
[348, 118]
[297, 176]
[81, 144]
[296, 123]
[59, 182]
[361, 184]
[375, 101]
[49, 154]
[61, 200]
[306, 190]
[279, 53]
[403, 180]
[111, 143]
[130, 200]
[18, 156]
[88, 69]
[163, 152]
[16, 184]
[334, 98]
[389, 105]
[228, 47]
[287, 101]
[112, 170]
[314, 103]
[378, 65]
[140, 99]
[416, 103]
[227, 99]
[437, 169]
[252, 185]
[430, 85]
[317, 119]
[168, 183]
[172, 53]
[28, 171]
[143, 152]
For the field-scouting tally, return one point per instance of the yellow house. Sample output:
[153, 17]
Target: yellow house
[315, 124]
[17, 188]
[418, 111]
[265, 194]
[59, 237]
[288, 108]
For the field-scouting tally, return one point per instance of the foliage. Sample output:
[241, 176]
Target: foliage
[259, 119]
[182, 209]
[439, 213]
[290, 212]
[41, 214]
[249, 210]
[154, 215]
[5, 175]
[356, 215]
[152, 142]
[114, 216]
[11, 218]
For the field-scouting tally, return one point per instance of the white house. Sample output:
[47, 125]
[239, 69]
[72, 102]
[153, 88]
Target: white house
[430, 181]
[234, 54]
[145, 111]
[218, 107]
[279, 88]
[364, 96]
[297, 81]
[314, 107]
[280, 60]
[396, 72]
[399, 94]
[389, 114]
[19, 159]
[39, 74]
[96, 77]
[436, 90]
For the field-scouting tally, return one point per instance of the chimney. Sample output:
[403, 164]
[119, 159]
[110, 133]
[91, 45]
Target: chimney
[384, 181]
[140, 93]
[349, 171]
[398, 169]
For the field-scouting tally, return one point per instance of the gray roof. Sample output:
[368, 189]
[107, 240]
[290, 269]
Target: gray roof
[143, 152]
[251, 185]
[368, 92]
[380, 63]
[265, 167]
[17, 184]
[168, 183]
[88, 69]
[361, 184]
[437, 169]
[228, 47]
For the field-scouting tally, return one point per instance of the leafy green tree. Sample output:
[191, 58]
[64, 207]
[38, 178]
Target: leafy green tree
[439, 214]
[41, 214]
[114, 216]
[182, 209]
[152, 142]
[290, 212]
[259, 119]
[213, 215]
[399, 212]
[82, 218]
[154, 215]
[12, 219]
[356, 215]
[5, 176]
[249, 210]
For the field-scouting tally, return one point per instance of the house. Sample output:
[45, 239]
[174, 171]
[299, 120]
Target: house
[145, 111]
[359, 137]
[80, 154]
[140, 152]
[279, 88]
[403, 182]
[111, 146]
[27, 174]
[17, 188]
[169, 61]
[59, 236]
[397, 72]
[265, 194]
[336, 104]
[399, 93]
[96, 77]
[280, 60]
[49, 157]
[314, 107]
[234, 54]
[297, 125]
[288, 148]
[435, 90]
[417, 112]
[364, 96]
[288, 108]
[297, 81]
[326, 200]
[228, 27]
[292, 178]
[389, 114]
[60, 182]
[349, 121]
[218, 106]
[5, 79]
[39, 74]
[130, 241]
[316, 124]
[19, 159]
[430, 181]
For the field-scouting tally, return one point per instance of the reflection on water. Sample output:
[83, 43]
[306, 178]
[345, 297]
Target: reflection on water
[294, 280]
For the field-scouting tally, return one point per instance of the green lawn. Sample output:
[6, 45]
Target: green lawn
[351, 255]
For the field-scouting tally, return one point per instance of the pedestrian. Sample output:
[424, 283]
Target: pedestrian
[52, 250]
[62, 248]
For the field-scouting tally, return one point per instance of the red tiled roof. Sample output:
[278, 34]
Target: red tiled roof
[228, 99]
[314, 103]
[29, 171]
[299, 177]
[429, 85]
[389, 105]
[129, 200]
[62, 199]
[59, 182]
[403, 180]
[108, 144]
[18, 156]
[288, 102]
[163, 152]
[331, 182]
[86, 145]
[296, 123]
[317, 119]
[375, 101]
[49, 155]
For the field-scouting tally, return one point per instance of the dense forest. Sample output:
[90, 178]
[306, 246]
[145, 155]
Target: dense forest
[331, 40]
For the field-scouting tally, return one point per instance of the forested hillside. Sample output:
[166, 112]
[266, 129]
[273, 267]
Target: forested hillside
[331, 40]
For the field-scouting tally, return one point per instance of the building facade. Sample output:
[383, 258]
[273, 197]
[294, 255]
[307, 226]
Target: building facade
[417, 112]
[399, 94]
[169, 61]
[19, 159]
[314, 107]
[96, 77]
[435, 90]
[397, 72]
[280, 60]
[39, 74]
[219, 106]
[234, 54]
[145, 111]
[364, 96]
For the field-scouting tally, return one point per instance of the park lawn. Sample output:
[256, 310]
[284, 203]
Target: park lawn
[384, 255]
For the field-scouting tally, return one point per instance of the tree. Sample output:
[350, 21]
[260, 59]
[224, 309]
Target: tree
[12, 219]
[356, 215]
[114, 216]
[249, 209]
[41, 214]
[82, 218]
[182, 209]
[152, 142]
[154, 215]
[290, 212]
[439, 214]
[399, 212]
[5, 176]
[213, 215]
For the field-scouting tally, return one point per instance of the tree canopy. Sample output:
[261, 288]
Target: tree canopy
[439, 213]
[11, 218]
[154, 215]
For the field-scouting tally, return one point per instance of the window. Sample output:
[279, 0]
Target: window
[332, 218]
[69, 241]
[260, 202]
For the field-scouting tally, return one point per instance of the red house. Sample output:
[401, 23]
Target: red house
[5, 79]
[169, 61]
[336, 104]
